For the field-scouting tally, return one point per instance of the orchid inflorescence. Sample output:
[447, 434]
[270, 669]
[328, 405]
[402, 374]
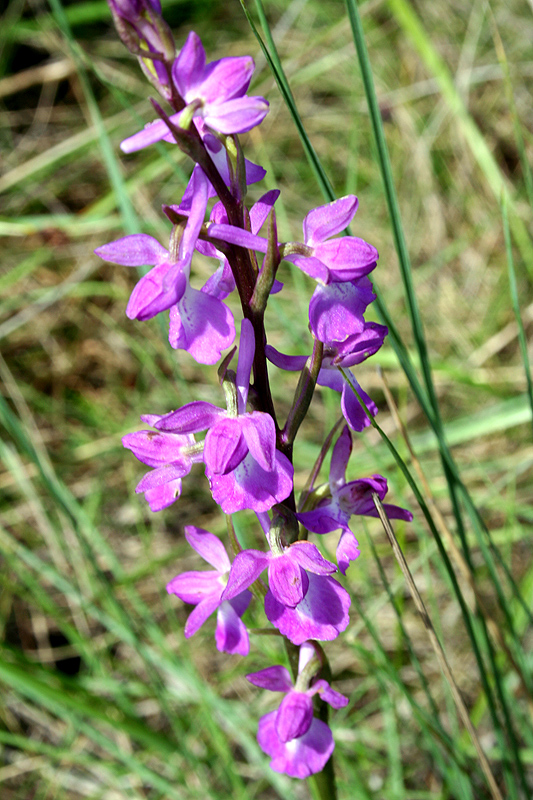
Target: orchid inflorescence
[246, 452]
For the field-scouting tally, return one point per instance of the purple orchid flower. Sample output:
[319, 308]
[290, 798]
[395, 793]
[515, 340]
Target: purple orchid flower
[243, 467]
[171, 455]
[347, 499]
[204, 590]
[342, 354]
[200, 323]
[299, 744]
[337, 261]
[214, 92]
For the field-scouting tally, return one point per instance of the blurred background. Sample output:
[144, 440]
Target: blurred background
[102, 697]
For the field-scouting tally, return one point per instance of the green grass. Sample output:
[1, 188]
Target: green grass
[424, 115]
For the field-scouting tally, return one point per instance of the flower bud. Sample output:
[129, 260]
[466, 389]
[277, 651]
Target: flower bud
[141, 27]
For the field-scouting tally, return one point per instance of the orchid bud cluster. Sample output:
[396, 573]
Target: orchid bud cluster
[247, 453]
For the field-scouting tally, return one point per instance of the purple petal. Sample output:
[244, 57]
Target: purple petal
[260, 210]
[249, 486]
[195, 416]
[327, 517]
[357, 348]
[188, 68]
[347, 550]
[163, 496]
[287, 581]
[356, 498]
[202, 325]
[152, 133]
[275, 679]
[259, 432]
[168, 473]
[321, 615]
[137, 250]
[195, 587]
[240, 602]
[239, 236]
[329, 695]
[336, 311]
[151, 419]
[200, 194]
[291, 363]
[157, 291]
[331, 377]
[226, 79]
[225, 446]
[312, 266]
[328, 220]
[347, 258]
[188, 195]
[198, 616]
[246, 568]
[308, 556]
[396, 512]
[352, 410]
[236, 116]
[231, 635]
[244, 364]
[209, 547]
[300, 757]
[294, 717]
[221, 283]
[154, 448]
[339, 459]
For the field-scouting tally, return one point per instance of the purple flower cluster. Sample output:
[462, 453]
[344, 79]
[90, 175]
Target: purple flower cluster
[246, 452]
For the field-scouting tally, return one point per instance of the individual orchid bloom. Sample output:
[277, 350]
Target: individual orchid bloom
[199, 322]
[347, 499]
[299, 744]
[243, 467]
[171, 455]
[204, 590]
[288, 568]
[332, 260]
[217, 90]
[323, 259]
[295, 713]
[342, 354]
[214, 92]
[165, 284]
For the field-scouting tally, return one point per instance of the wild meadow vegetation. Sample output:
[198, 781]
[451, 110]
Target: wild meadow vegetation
[425, 111]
